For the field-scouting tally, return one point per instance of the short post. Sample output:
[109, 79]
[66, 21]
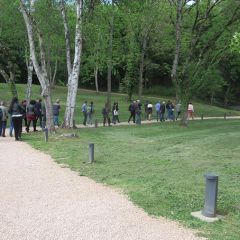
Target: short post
[202, 117]
[225, 116]
[91, 152]
[46, 134]
[210, 195]
[96, 123]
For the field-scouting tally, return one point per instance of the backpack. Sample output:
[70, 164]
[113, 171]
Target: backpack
[1, 114]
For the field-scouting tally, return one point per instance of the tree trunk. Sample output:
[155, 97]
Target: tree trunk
[96, 78]
[73, 74]
[53, 80]
[110, 51]
[141, 68]
[226, 96]
[29, 79]
[40, 69]
[177, 49]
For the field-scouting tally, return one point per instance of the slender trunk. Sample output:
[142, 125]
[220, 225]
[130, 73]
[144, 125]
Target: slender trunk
[226, 96]
[29, 79]
[141, 68]
[40, 69]
[110, 51]
[67, 37]
[73, 74]
[212, 97]
[177, 50]
[53, 80]
[96, 78]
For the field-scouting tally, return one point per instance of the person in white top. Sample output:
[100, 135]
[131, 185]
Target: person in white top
[149, 109]
[190, 111]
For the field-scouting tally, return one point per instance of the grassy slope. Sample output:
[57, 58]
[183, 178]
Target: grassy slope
[99, 100]
[161, 167]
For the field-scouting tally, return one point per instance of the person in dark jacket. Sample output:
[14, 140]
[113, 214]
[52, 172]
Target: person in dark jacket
[131, 109]
[31, 115]
[105, 113]
[162, 111]
[15, 110]
[38, 110]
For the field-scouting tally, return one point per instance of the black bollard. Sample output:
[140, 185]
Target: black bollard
[91, 152]
[96, 123]
[225, 116]
[210, 195]
[46, 134]
[202, 117]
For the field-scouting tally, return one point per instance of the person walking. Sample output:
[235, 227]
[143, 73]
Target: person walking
[131, 109]
[157, 108]
[190, 111]
[115, 113]
[84, 111]
[3, 118]
[105, 113]
[16, 110]
[31, 116]
[90, 111]
[56, 110]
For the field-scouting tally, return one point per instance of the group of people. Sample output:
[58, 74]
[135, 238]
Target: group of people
[35, 111]
[30, 113]
[164, 111]
[107, 112]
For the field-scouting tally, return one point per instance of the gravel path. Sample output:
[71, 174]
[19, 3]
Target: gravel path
[39, 200]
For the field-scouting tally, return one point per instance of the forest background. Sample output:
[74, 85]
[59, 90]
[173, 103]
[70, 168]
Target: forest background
[183, 47]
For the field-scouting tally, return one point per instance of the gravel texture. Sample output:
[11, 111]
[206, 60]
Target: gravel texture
[40, 200]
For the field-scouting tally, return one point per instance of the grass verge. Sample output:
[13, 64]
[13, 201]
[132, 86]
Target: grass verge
[161, 167]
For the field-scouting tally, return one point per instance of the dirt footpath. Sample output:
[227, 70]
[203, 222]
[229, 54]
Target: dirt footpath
[41, 201]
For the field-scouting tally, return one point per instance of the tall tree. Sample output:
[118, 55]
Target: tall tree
[73, 68]
[39, 64]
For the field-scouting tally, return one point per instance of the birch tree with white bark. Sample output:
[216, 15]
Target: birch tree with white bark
[39, 64]
[72, 68]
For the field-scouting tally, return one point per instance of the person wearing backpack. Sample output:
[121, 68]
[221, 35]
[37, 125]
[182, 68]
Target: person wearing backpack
[131, 109]
[31, 115]
[3, 119]
[16, 111]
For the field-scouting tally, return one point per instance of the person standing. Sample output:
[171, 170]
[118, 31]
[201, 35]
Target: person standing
[157, 108]
[16, 110]
[131, 109]
[149, 111]
[90, 111]
[138, 111]
[162, 111]
[38, 110]
[84, 111]
[3, 120]
[31, 116]
[56, 110]
[190, 111]
[105, 113]
[178, 110]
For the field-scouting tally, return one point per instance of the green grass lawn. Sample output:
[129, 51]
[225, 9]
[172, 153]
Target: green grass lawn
[161, 167]
[99, 100]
